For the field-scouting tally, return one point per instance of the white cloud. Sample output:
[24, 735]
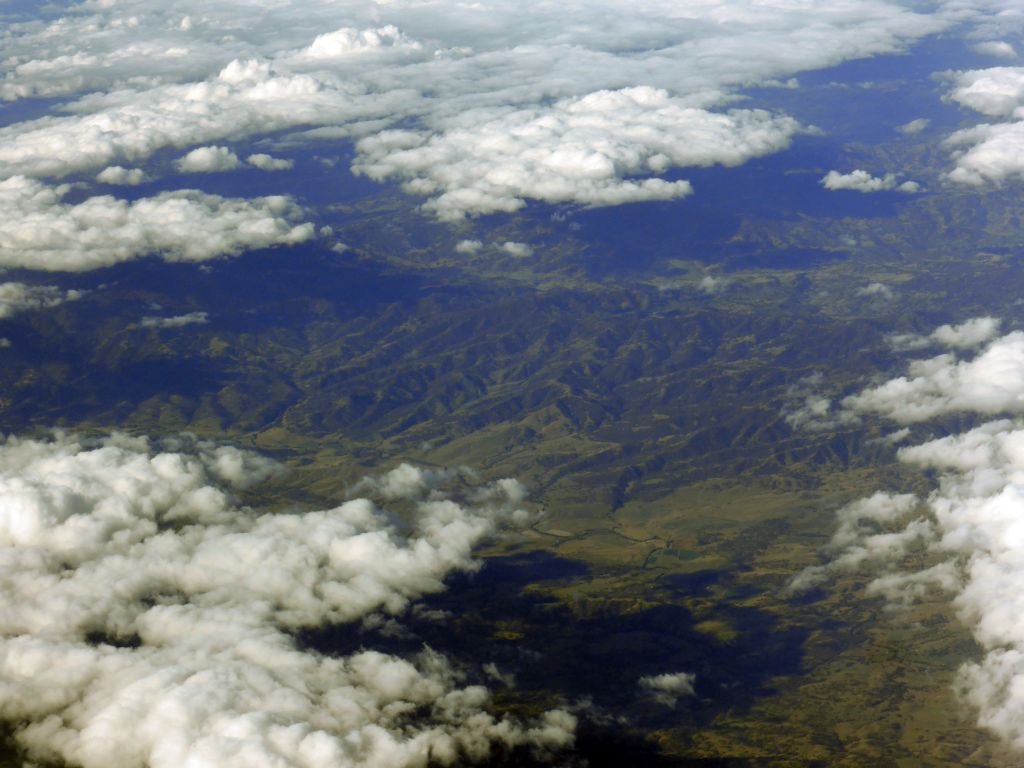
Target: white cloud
[348, 41]
[517, 250]
[147, 618]
[19, 297]
[992, 152]
[208, 160]
[39, 231]
[468, 246]
[898, 436]
[969, 334]
[970, 524]
[879, 290]
[996, 92]
[807, 409]
[177, 321]
[491, 670]
[812, 412]
[116, 46]
[862, 181]
[576, 150]
[669, 687]
[942, 384]
[711, 284]
[998, 48]
[568, 92]
[116, 174]
[244, 98]
[969, 529]
[992, 382]
[907, 342]
[914, 127]
[406, 481]
[903, 589]
[856, 520]
[871, 531]
[268, 163]
[132, 44]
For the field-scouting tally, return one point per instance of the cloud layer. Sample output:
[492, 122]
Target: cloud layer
[477, 108]
[148, 619]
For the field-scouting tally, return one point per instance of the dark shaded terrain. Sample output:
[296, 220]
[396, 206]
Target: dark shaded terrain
[339, 352]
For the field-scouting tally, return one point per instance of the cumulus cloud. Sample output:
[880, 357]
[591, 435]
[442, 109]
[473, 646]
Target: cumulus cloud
[348, 41]
[149, 619]
[30, 73]
[998, 48]
[968, 531]
[518, 250]
[711, 284]
[971, 525]
[871, 530]
[116, 46]
[941, 384]
[556, 94]
[996, 92]
[19, 297]
[130, 43]
[576, 150]
[669, 687]
[877, 290]
[245, 98]
[407, 481]
[969, 334]
[491, 670]
[177, 321]
[116, 174]
[914, 127]
[862, 181]
[39, 231]
[992, 382]
[268, 163]
[990, 152]
[468, 246]
[208, 160]
[806, 408]
[811, 412]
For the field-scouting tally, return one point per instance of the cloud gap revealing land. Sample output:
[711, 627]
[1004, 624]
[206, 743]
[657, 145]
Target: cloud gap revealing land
[414, 383]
